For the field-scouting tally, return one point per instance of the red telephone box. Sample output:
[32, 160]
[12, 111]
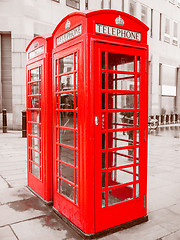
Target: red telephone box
[100, 120]
[39, 116]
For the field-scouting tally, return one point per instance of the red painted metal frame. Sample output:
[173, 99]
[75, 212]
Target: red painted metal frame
[135, 208]
[88, 215]
[41, 185]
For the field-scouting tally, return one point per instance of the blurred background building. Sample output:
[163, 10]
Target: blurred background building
[22, 20]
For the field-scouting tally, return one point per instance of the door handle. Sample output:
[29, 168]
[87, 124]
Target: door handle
[96, 121]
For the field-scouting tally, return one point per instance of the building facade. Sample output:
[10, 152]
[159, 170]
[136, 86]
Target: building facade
[21, 20]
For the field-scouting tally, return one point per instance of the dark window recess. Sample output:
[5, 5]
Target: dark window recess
[56, 1]
[73, 3]
[86, 5]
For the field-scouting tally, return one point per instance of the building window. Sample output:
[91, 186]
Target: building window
[144, 14]
[123, 5]
[102, 4]
[151, 31]
[109, 4]
[167, 30]
[73, 3]
[132, 7]
[86, 5]
[175, 33]
[160, 26]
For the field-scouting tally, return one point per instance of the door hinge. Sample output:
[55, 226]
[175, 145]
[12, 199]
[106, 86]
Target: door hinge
[96, 121]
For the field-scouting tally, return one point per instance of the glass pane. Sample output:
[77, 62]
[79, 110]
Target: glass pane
[120, 81]
[67, 82]
[57, 135]
[57, 151]
[34, 102]
[137, 173]
[34, 88]
[57, 118]
[66, 64]
[67, 190]
[67, 155]
[121, 120]
[57, 184]
[137, 137]
[67, 101]
[57, 81]
[120, 139]
[103, 160]
[120, 101]
[67, 137]
[57, 168]
[120, 195]
[103, 141]
[67, 119]
[67, 172]
[103, 60]
[35, 143]
[35, 156]
[120, 157]
[103, 179]
[138, 119]
[35, 116]
[77, 196]
[137, 155]
[76, 177]
[76, 153]
[120, 176]
[35, 74]
[138, 101]
[76, 81]
[35, 129]
[137, 190]
[103, 199]
[103, 80]
[138, 64]
[35, 170]
[120, 62]
[103, 100]
[76, 61]
[138, 83]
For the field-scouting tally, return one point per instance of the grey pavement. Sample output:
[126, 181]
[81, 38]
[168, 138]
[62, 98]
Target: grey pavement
[23, 216]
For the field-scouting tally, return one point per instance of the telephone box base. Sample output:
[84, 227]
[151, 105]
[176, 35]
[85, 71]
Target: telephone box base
[49, 203]
[105, 232]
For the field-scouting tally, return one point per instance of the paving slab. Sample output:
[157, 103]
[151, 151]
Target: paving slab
[44, 228]
[14, 194]
[167, 219]
[3, 184]
[145, 231]
[172, 236]
[21, 210]
[6, 233]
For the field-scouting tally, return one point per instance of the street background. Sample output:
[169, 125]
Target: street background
[23, 216]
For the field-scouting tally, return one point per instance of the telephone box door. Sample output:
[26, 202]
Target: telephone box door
[66, 148]
[35, 76]
[120, 135]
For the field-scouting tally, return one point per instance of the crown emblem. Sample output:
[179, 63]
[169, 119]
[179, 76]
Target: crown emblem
[68, 24]
[119, 21]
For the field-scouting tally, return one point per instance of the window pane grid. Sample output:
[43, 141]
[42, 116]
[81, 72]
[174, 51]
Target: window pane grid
[67, 126]
[34, 121]
[115, 122]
